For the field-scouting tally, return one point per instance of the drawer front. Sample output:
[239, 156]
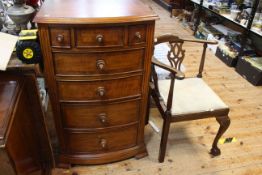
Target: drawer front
[137, 35]
[98, 63]
[99, 90]
[60, 37]
[105, 141]
[98, 116]
[99, 37]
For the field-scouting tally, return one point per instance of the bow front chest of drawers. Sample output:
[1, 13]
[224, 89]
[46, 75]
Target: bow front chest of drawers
[97, 57]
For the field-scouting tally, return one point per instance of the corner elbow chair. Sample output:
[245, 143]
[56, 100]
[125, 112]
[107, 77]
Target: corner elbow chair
[182, 99]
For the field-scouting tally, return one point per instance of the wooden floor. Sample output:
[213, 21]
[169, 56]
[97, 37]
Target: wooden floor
[189, 142]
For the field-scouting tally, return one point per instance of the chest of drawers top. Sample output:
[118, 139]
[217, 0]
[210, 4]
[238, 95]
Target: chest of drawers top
[93, 12]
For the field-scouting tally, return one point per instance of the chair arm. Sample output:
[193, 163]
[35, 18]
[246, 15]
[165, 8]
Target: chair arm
[212, 42]
[178, 74]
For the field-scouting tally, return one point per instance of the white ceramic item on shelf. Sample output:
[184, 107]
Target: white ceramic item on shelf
[234, 13]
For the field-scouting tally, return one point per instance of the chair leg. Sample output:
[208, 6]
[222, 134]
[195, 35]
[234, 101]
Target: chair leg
[224, 123]
[163, 143]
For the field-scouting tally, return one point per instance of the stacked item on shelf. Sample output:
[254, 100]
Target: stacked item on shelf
[229, 49]
[257, 22]
[204, 30]
[237, 11]
[250, 67]
[227, 53]
[245, 17]
[208, 32]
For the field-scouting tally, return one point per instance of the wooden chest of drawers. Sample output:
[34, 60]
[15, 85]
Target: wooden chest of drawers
[97, 57]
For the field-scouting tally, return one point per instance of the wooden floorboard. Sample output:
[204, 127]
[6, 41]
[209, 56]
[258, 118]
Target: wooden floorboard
[189, 142]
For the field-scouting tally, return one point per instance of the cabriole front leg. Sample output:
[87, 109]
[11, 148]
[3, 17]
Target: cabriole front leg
[224, 123]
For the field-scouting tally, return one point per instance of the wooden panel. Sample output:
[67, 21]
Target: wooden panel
[22, 144]
[5, 166]
[60, 37]
[7, 91]
[99, 37]
[98, 63]
[99, 90]
[100, 115]
[107, 141]
[137, 35]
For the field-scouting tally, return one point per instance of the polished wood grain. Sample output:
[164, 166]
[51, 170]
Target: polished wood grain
[93, 11]
[101, 141]
[97, 63]
[99, 115]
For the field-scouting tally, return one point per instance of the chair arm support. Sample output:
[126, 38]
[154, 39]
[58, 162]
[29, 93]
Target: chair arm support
[178, 74]
[212, 42]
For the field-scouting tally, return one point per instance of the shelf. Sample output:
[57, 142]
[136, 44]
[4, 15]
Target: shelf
[163, 4]
[196, 1]
[225, 16]
[256, 31]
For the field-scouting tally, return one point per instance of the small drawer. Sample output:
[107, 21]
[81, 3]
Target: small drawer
[137, 35]
[100, 90]
[98, 63]
[102, 141]
[98, 116]
[60, 37]
[99, 37]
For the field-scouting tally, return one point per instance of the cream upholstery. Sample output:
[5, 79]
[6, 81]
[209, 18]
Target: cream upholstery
[191, 95]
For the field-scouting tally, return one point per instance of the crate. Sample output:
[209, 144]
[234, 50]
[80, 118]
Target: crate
[226, 59]
[249, 72]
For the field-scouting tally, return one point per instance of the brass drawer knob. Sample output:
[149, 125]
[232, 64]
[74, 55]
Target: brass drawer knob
[60, 38]
[138, 35]
[100, 64]
[101, 91]
[103, 118]
[99, 38]
[103, 143]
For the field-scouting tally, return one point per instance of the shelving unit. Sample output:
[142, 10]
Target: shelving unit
[204, 5]
[165, 3]
[251, 29]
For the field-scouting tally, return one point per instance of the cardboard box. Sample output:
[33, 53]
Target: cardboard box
[226, 59]
[249, 72]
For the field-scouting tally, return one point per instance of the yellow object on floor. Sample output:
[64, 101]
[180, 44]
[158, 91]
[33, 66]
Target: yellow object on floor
[227, 140]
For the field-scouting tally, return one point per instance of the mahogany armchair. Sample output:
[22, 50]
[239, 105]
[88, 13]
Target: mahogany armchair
[180, 98]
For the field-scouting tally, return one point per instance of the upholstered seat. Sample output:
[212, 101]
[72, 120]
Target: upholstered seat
[191, 95]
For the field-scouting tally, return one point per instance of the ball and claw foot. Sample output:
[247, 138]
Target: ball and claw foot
[215, 151]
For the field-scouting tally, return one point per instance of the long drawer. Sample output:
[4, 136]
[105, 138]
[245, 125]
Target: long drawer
[102, 141]
[71, 90]
[99, 115]
[98, 63]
